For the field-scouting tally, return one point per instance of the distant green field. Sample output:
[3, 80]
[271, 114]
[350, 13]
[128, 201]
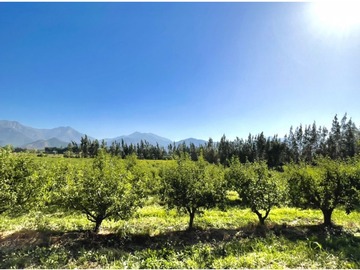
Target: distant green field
[57, 158]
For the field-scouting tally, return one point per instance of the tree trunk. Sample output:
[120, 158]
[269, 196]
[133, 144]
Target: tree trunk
[261, 220]
[97, 225]
[191, 221]
[327, 216]
[260, 217]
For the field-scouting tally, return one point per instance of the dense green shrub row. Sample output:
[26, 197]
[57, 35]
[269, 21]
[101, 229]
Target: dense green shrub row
[110, 187]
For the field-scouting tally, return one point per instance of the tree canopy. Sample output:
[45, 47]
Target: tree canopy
[191, 186]
[259, 188]
[104, 190]
[325, 185]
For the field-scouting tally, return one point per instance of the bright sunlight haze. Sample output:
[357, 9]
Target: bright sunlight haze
[339, 17]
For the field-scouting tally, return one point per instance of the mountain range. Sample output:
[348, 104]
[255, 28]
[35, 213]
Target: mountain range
[153, 139]
[15, 134]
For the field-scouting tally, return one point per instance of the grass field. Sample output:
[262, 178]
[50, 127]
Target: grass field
[157, 238]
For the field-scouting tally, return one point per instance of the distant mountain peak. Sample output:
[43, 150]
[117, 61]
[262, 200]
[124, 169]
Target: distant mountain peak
[188, 141]
[19, 135]
[137, 137]
[151, 138]
[41, 144]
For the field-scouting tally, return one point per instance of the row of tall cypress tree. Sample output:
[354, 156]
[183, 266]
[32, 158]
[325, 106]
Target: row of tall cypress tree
[302, 143]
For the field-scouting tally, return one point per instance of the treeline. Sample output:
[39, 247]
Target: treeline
[303, 143]
[90, 148]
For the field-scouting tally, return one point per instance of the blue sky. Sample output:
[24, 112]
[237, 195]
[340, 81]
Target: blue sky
[178, 70]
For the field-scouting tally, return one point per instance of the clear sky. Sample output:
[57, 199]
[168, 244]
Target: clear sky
[178, 70]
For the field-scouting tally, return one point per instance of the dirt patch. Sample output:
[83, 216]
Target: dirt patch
[24, 238]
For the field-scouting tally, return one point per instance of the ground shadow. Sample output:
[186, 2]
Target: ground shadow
[334, 239]
[130, 242]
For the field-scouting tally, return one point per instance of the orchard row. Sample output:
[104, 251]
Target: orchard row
[110, 187]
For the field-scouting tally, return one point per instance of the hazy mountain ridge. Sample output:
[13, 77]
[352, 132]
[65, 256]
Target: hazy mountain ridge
[18, 135]
[153, 139]
[137, 137]
[196, 142]
[41, 144]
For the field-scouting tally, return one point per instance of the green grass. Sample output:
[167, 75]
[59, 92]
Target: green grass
[157, 238]
[39, 221]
